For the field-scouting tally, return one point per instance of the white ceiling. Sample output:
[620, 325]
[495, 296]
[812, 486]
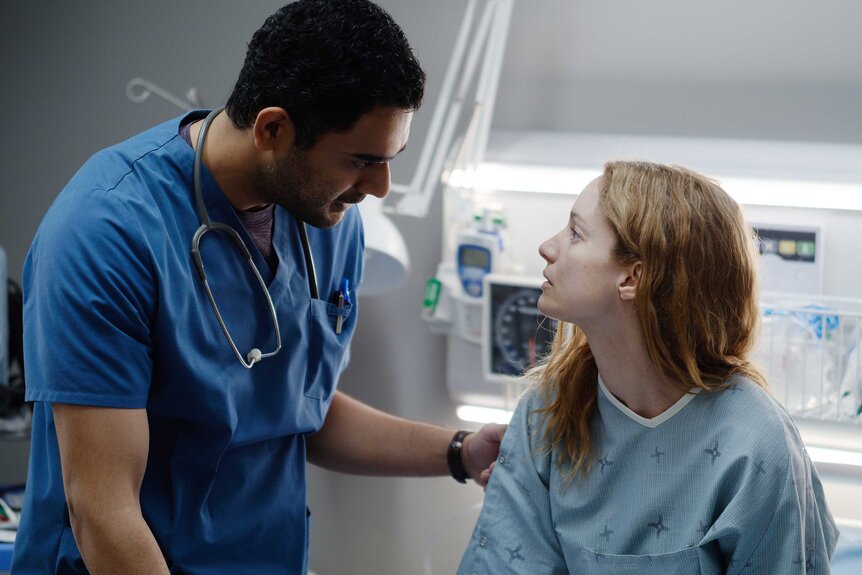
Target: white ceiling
[726, 41]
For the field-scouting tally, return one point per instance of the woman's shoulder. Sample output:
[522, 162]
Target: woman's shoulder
[535, 395]
[531, 403]
[533, 410]
[751, 417]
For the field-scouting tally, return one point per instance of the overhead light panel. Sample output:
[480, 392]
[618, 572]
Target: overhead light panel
[785, 174]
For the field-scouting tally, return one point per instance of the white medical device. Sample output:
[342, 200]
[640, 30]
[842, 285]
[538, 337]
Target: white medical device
[791, 258]
[480, 250]
[516, 335]
[475, 258]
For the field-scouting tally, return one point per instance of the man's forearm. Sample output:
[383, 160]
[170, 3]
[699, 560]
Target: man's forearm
[362, 440]
[117, 541]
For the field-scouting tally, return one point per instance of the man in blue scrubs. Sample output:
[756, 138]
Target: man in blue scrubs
[154, 449]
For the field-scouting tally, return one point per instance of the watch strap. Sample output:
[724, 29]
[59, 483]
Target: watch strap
[453, 456]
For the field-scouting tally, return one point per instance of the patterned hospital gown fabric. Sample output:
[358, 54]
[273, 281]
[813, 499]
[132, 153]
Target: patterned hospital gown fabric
[719, 483]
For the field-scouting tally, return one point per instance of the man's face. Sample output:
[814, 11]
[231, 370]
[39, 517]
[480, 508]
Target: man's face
[319, 185]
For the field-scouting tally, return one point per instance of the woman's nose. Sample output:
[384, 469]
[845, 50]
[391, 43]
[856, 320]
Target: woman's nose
[547, 251]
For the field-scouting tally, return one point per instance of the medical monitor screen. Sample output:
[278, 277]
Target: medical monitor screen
[475, 258]
[519, 335]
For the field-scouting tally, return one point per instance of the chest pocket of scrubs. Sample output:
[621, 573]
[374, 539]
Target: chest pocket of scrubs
[326, 348]
[684, 562]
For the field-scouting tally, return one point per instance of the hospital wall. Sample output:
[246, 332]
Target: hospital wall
[64, 71]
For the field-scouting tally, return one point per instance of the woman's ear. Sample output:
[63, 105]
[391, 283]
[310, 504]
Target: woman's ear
[273, 129]
[630, 280]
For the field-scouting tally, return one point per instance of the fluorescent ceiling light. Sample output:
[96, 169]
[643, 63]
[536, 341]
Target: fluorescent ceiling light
[836, 456]
[794, 194]
[749, 191]
[477, 414]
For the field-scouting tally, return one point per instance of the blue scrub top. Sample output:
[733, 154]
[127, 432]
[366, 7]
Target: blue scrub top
[116, 316]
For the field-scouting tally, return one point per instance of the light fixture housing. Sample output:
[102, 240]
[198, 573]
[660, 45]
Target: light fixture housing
[386, 259]
[766, 173]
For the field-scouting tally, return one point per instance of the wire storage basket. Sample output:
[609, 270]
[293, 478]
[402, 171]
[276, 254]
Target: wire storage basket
[809, 351]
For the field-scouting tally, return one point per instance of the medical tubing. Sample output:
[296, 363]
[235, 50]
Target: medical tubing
[252, 357]
[272, 313]
[196, 252]
[255, 354]
[309, 262]
[199, 195]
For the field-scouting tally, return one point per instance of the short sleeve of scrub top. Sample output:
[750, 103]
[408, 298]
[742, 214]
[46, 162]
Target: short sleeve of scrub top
[95, 294]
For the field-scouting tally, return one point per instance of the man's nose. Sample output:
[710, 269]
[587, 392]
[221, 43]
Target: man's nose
[375, 180]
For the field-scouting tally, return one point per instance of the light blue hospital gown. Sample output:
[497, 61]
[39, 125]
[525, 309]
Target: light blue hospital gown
[719, 483]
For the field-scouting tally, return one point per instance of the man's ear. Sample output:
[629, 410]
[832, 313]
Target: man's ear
[273, 129]
[630, 279]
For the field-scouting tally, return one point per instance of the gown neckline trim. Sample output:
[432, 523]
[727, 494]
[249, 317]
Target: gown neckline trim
[654, 421]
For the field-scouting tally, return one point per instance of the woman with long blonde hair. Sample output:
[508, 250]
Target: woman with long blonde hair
[648, 442]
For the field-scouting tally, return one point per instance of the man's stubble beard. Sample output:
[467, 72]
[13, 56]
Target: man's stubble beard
[293, 186]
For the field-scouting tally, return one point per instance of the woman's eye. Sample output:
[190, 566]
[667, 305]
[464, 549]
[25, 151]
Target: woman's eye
[574, 233]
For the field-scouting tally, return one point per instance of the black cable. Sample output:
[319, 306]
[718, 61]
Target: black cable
[309, 261]
[12, 394]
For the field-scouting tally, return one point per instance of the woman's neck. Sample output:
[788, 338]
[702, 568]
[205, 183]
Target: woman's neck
[627, 372]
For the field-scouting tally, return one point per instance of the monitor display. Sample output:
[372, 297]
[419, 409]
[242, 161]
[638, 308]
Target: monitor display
[517, 335]
[475, 257]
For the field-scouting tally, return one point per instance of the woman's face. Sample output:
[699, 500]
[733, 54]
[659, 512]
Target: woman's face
[583, 278]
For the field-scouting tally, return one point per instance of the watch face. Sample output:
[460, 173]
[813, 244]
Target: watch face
[521, 334]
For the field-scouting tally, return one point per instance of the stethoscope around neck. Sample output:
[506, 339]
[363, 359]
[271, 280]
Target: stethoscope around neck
[207, 225]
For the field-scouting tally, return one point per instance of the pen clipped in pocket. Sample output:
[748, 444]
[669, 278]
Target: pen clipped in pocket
[326, 349]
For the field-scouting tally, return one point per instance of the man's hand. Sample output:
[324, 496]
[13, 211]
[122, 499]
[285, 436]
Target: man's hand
[480, 450]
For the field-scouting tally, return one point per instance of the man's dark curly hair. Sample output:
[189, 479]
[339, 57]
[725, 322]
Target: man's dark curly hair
[326, 62]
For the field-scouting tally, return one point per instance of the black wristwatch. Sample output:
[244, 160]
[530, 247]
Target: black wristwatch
[453, 456]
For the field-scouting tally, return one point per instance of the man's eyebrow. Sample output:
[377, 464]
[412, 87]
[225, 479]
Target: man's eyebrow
[373, 159]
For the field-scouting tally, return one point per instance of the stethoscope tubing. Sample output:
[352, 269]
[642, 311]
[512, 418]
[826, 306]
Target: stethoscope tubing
[254, 355]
